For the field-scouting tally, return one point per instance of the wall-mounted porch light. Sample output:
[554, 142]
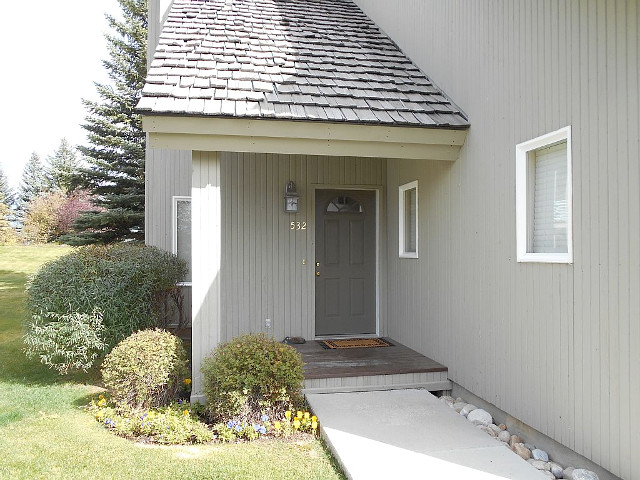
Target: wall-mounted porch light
[291, 197]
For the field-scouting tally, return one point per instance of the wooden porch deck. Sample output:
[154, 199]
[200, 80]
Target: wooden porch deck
[363, 369]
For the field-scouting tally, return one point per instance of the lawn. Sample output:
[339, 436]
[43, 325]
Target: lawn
[44, 433]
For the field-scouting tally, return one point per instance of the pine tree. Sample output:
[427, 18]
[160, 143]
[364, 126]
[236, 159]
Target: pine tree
[6, 193]
[63, 165]
[33, 182]
[115, 154]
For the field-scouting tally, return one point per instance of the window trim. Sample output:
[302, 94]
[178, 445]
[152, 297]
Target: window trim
[401, 223]
[524, 217]
[174, 229]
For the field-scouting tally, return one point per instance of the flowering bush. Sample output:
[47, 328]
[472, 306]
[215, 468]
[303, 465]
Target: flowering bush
[174, 424]
[250, 376]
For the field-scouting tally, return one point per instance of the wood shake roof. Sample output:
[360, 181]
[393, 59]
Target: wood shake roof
[311, 60]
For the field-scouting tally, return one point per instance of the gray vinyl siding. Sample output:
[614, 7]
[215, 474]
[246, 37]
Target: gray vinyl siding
[262, 259]
[168, 174]
[555, 345]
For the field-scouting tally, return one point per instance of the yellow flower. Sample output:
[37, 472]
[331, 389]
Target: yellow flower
[314, 424]
[299, 414]
[102, 402]
[287, 414]
[187, 381]
[186, 412]
[306, 415]
[277, 425]
[314, 419]
[296, 424]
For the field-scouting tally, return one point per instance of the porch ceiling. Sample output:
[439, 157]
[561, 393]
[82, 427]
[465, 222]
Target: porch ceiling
[303, 138]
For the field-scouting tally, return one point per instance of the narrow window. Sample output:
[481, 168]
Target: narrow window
[408, 215]
[182, 232]
[543, 196]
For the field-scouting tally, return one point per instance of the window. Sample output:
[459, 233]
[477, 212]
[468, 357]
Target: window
[182, 232]
[342, 204]
[408, 215]
[543, 198]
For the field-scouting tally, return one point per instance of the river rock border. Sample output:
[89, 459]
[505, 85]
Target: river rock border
[537, 457]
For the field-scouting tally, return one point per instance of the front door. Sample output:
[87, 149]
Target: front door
[345, 262]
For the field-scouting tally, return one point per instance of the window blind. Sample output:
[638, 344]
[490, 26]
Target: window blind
[550, 218]
[410, 221]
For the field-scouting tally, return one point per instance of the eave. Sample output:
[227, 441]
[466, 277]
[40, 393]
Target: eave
[302, 137]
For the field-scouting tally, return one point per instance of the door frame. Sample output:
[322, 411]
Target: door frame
[311, 211]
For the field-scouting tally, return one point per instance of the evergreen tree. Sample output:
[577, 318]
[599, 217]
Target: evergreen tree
[63, 165]
[6, 193]
[33, 182]
[115, 154]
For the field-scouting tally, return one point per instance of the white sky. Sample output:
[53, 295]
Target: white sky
[51, 55]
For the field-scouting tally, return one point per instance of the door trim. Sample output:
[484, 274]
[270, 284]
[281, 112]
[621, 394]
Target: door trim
[378, 189]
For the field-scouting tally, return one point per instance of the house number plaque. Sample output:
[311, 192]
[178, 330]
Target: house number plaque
[297, 225]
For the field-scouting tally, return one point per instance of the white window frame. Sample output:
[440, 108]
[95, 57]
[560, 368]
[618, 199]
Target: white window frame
[402, 215]
[174, 228]
[524, 212]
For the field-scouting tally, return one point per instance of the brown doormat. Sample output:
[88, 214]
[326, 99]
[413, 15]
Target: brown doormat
[355, 343]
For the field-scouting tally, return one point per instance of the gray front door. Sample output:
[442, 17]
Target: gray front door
[345, 262]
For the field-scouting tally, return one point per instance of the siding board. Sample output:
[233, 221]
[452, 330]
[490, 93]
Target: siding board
[557, 346]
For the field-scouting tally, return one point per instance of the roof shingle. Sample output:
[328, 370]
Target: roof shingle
[316, 60]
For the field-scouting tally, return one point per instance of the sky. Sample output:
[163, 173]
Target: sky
[51, 58]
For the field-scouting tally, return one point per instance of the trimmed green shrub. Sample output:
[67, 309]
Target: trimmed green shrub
[145, 370]
[68, 342]
[250, 375]
[127, 282]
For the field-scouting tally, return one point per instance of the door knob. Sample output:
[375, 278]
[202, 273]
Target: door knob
[317, 264]
[317, 274]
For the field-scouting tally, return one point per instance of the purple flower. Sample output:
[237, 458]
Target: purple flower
[231, 423]
[262, 430]
[238, 428]
[264, 417]
[256, 427]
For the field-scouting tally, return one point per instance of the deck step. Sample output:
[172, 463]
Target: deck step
[432, 381]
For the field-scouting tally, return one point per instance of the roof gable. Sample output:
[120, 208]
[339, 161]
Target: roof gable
[313, 60]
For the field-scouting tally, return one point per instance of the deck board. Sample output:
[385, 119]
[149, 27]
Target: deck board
[357, 362]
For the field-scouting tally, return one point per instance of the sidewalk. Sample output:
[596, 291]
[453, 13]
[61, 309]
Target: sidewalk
[405, 434]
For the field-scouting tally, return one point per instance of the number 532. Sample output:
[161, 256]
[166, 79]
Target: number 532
[298, 225]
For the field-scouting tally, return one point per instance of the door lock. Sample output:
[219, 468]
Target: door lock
[317, 264]
[317, 274]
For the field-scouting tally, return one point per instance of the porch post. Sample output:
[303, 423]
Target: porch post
[206, 213]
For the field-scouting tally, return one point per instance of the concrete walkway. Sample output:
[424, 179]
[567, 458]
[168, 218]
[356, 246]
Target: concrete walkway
[405, 434]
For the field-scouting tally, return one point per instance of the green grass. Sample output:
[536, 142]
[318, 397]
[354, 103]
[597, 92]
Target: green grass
[45, 434]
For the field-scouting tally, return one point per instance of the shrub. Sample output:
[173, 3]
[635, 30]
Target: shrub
[41, 223]
[145, 370]
[250, 376]
[67, 342]
[127, 282]
[170, 425]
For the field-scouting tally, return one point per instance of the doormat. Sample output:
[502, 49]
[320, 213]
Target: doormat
[355, 343]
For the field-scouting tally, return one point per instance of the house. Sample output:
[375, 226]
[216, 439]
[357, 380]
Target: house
[462, 177]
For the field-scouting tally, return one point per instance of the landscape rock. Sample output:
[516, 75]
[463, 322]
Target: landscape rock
[539, 464]
[568, 472]
[487, 430]
[468, 408]
[458, 406]
[504, 436]
[522, 451]
[583, 474]
[495, 428]
[480, 417]
[502, 426]
[448, 399]
[515, 439]
[556, 470]
[538, 454]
